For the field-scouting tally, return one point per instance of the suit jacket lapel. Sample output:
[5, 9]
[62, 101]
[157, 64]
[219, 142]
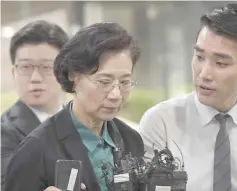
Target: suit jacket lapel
[115, 135]
[25, 120]
[74, 147]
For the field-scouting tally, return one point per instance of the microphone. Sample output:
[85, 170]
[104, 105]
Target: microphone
[124, 176]
[164, 171]
[105, 172]
[118, 154]
[132, 173]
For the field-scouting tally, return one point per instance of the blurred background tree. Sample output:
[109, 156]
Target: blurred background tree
[166, 31]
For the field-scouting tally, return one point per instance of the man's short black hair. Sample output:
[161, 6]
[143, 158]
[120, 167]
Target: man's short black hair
[38, 32]
[222, 21]
[82, 53]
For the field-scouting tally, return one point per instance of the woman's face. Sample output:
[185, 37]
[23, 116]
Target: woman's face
[98, 95]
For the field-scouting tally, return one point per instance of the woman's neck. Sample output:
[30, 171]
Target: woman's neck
[93, 124]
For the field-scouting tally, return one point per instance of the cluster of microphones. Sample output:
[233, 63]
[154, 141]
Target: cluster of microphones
[162, 172]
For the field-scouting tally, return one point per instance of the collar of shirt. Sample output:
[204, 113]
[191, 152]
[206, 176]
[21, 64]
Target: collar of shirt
[89, 139]
[233, 113]
[42, 116]
[207, 113]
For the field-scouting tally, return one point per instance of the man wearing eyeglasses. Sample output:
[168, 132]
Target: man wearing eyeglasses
[33, 50]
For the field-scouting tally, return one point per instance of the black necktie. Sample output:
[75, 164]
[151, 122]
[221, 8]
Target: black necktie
[222, 162]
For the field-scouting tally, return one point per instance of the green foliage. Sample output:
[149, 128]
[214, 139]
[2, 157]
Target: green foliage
[8, 99]
[139, 101]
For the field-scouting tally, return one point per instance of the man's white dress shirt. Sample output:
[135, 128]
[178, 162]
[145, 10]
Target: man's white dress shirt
[193, 127]
[42, 116]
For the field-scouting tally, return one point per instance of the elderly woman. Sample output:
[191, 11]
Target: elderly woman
[95, 66]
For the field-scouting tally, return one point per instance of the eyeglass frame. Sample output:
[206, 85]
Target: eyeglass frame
[33, 66]
[113, 85]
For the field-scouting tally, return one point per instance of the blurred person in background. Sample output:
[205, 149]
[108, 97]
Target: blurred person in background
[96, 66]
[33, 50]
[204, 123]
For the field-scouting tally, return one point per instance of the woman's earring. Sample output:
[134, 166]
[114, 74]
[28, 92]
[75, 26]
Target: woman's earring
[70, 79]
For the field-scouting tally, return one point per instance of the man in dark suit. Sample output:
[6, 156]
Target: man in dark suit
[33, 50]
[96, 66]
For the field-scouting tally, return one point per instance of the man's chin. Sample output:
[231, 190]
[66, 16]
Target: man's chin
[213, 102]
[205, 100]
[36, 104]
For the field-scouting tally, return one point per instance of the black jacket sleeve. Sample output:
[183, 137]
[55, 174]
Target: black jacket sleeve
[24, 171]
[9, 142]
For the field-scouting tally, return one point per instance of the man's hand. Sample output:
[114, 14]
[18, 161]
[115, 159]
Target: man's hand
[52, 188]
